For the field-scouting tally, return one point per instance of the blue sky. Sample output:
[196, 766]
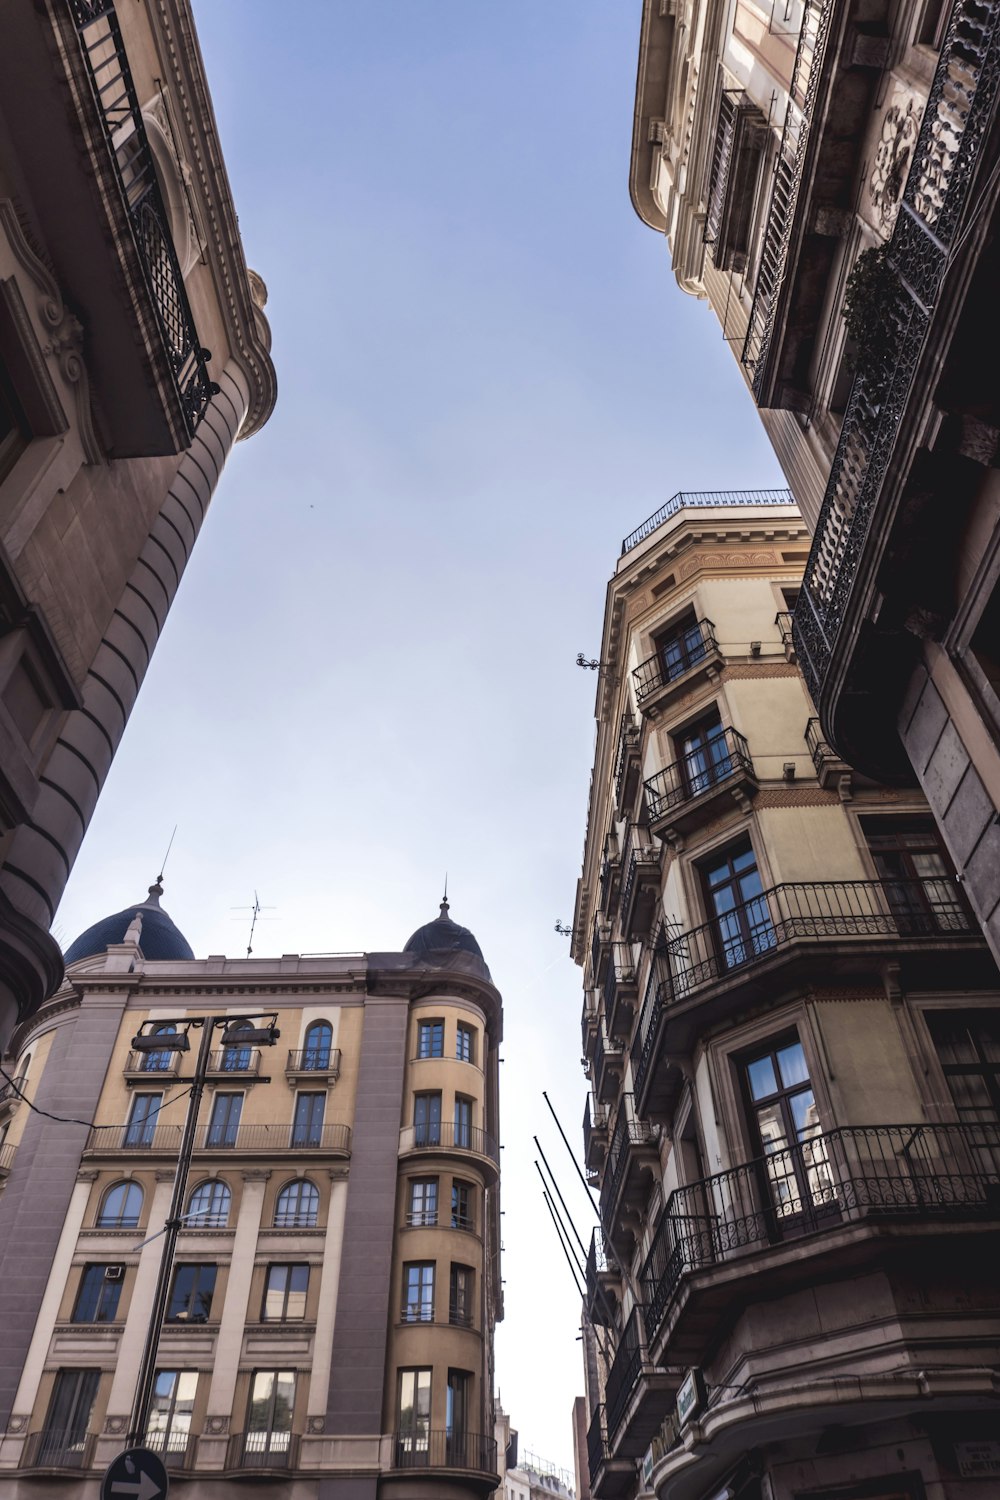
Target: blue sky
[487, 376]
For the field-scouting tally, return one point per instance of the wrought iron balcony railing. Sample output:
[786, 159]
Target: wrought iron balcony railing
[609, 880]
[114, 92]
[597, 1442]
[314, 1060]
[159, 1063]
[177, 1449]
[626, 1368]
[694, 498]
[640, 857]
[783, 620]
[242, 1060]
[595, 1126]
[780, 218]
[263, 1450]
[819, 748]
[628, 1134]
[627, 758]
[441, 1449]
[725, 755]
[876, 1173]
[6, 1158]
[665, 667]
[58, 1448]
[953, 132]
[259, 1139]
[10, 1093]
[447, 1136]
[599, 944]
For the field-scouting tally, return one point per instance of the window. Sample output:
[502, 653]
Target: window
[141, 1125]
[463, 1122]
[737, 155]
[121, 1207]
[931, 25]
[224, 1125]
[319, 1040]
[97, 1299]
[457, 1415]
[461, 1204]
[208, 1206]
[307, 1127]
[423, 1209]
[916, 876]
[159, 1062]
[466, 1046]
[430, 1039]
[269, 1423]
[64, 1439]
[704, 755]
[414, 1420]
[427, 1119]
[968, 1047]
[237, 1058]
[735, 899]
[418, 1292]
[170, 1411]
[460, 1306]
[681, 647]
[297, 1206]
[787, 1125]
[13, 425]
[192, 1292]
[285, 1293]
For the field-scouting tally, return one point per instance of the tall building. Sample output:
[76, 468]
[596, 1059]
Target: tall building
[791, 1029]
[826, 176]
[329, 1324]
[133, 354]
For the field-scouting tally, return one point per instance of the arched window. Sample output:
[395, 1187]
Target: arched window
[235, 1057]
[22, 1072]
[208, 1206]
[316, 1053]
[297, 1206]
[159, 1062]
[121, 1206]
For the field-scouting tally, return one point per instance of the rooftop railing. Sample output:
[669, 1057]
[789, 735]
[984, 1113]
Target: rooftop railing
[841, 1176]
[953, 131]
[688, 498]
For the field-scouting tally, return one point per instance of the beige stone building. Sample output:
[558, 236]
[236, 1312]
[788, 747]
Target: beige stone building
[825, 174]
[133, 354]
[329, 1327]
[791, 1031]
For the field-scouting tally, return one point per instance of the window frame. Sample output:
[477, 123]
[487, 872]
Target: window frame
[222, 1131]
[216, 1215]
[102, 1292]
[425, 1284]
[316, 1055]
[287, 1291]
[168, 1431]
[461, 1295]
[140, 1129]
[465, 1042]
[460, 1185]
[299, 1183]
[265, 1450]
[196, 1269]
[306, 1132]
[430, 1028]
[122, 1221]
[423, 1217]
[427, 1132]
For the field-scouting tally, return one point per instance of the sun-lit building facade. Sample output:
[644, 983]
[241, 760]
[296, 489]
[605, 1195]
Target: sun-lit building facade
[329, 1323]
[791, 1032]
[134, 353]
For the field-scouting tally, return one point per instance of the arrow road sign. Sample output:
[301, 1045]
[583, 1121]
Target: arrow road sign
[136, 1474]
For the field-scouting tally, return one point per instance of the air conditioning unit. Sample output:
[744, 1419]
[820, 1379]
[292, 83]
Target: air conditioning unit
[114, 1273]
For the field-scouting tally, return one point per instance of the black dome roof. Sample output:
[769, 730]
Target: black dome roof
[443, 936]
[159, 938]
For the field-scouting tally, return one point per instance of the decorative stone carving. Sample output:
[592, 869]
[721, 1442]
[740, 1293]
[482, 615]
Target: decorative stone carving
[115, 1425]
[217, 1426]
[893, 153]
[316, 1424]
[17, 1423]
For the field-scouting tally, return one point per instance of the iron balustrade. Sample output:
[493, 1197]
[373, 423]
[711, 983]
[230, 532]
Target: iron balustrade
[695, 498]
[739, 117]
[659, 670]
[263, 1450]
[621, 970]
[626, 1367]
[597, 1442]
[237, 1059]
[626, 752]
[629, 1131]
[656, 997]
[954, 128]
[260, 1139]
[638, 853]
[726, 754]
[11, 1092]
[596, 1124]
[841, 1176]
[783, 620]
[114, 92]
[437, 1448]
[609, 877]
[314, 1060]
[159, 1063]
[58, 1448]
[459, 1316]
[599, 941]
[7, 1151]
[788, 171]
[448, 1136]
[819, 748]
[177, 1449]
[605, 1050]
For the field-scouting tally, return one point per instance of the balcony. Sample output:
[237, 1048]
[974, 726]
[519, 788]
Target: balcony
[263, 1451]
[635, 1393]
[441, 1449]
[59, 1449]
[314, 1063]
[176, 1449]
[695, 499]
[447, 1136]
[255, 1140]
[740, 141]
[640, 882]
[875, 505]
[783, 620]
[675, 667]
[603, 1284]
[608, 1477]
[620, 992]
[830, 769]
[590, 1021]
[600, 949]
[609, 886]
[609, 1068]
[229, 1062]
[10, 1095]
[6, 1159]
[633, 1161]
[143, 1065]
[850, 927]
[628, 764]
[694, 789]
[595, 1136]
[820, 1192]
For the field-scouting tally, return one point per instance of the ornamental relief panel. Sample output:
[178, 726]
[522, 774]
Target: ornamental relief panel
[889, 148]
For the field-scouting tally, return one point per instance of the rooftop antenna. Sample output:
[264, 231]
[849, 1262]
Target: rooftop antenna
[444, 903]
[163, 861]
[255, 916]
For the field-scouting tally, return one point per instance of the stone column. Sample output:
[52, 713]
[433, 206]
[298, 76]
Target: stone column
[229, 1346]
[319, 1384]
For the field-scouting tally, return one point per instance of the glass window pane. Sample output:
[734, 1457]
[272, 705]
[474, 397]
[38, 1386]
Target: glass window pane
[804, 1113]
[792, 1063]
[762, 1078]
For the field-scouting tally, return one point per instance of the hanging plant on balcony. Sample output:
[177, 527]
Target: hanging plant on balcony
[870, 298]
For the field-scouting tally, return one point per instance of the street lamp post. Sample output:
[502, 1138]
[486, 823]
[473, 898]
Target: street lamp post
[233, 1035]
